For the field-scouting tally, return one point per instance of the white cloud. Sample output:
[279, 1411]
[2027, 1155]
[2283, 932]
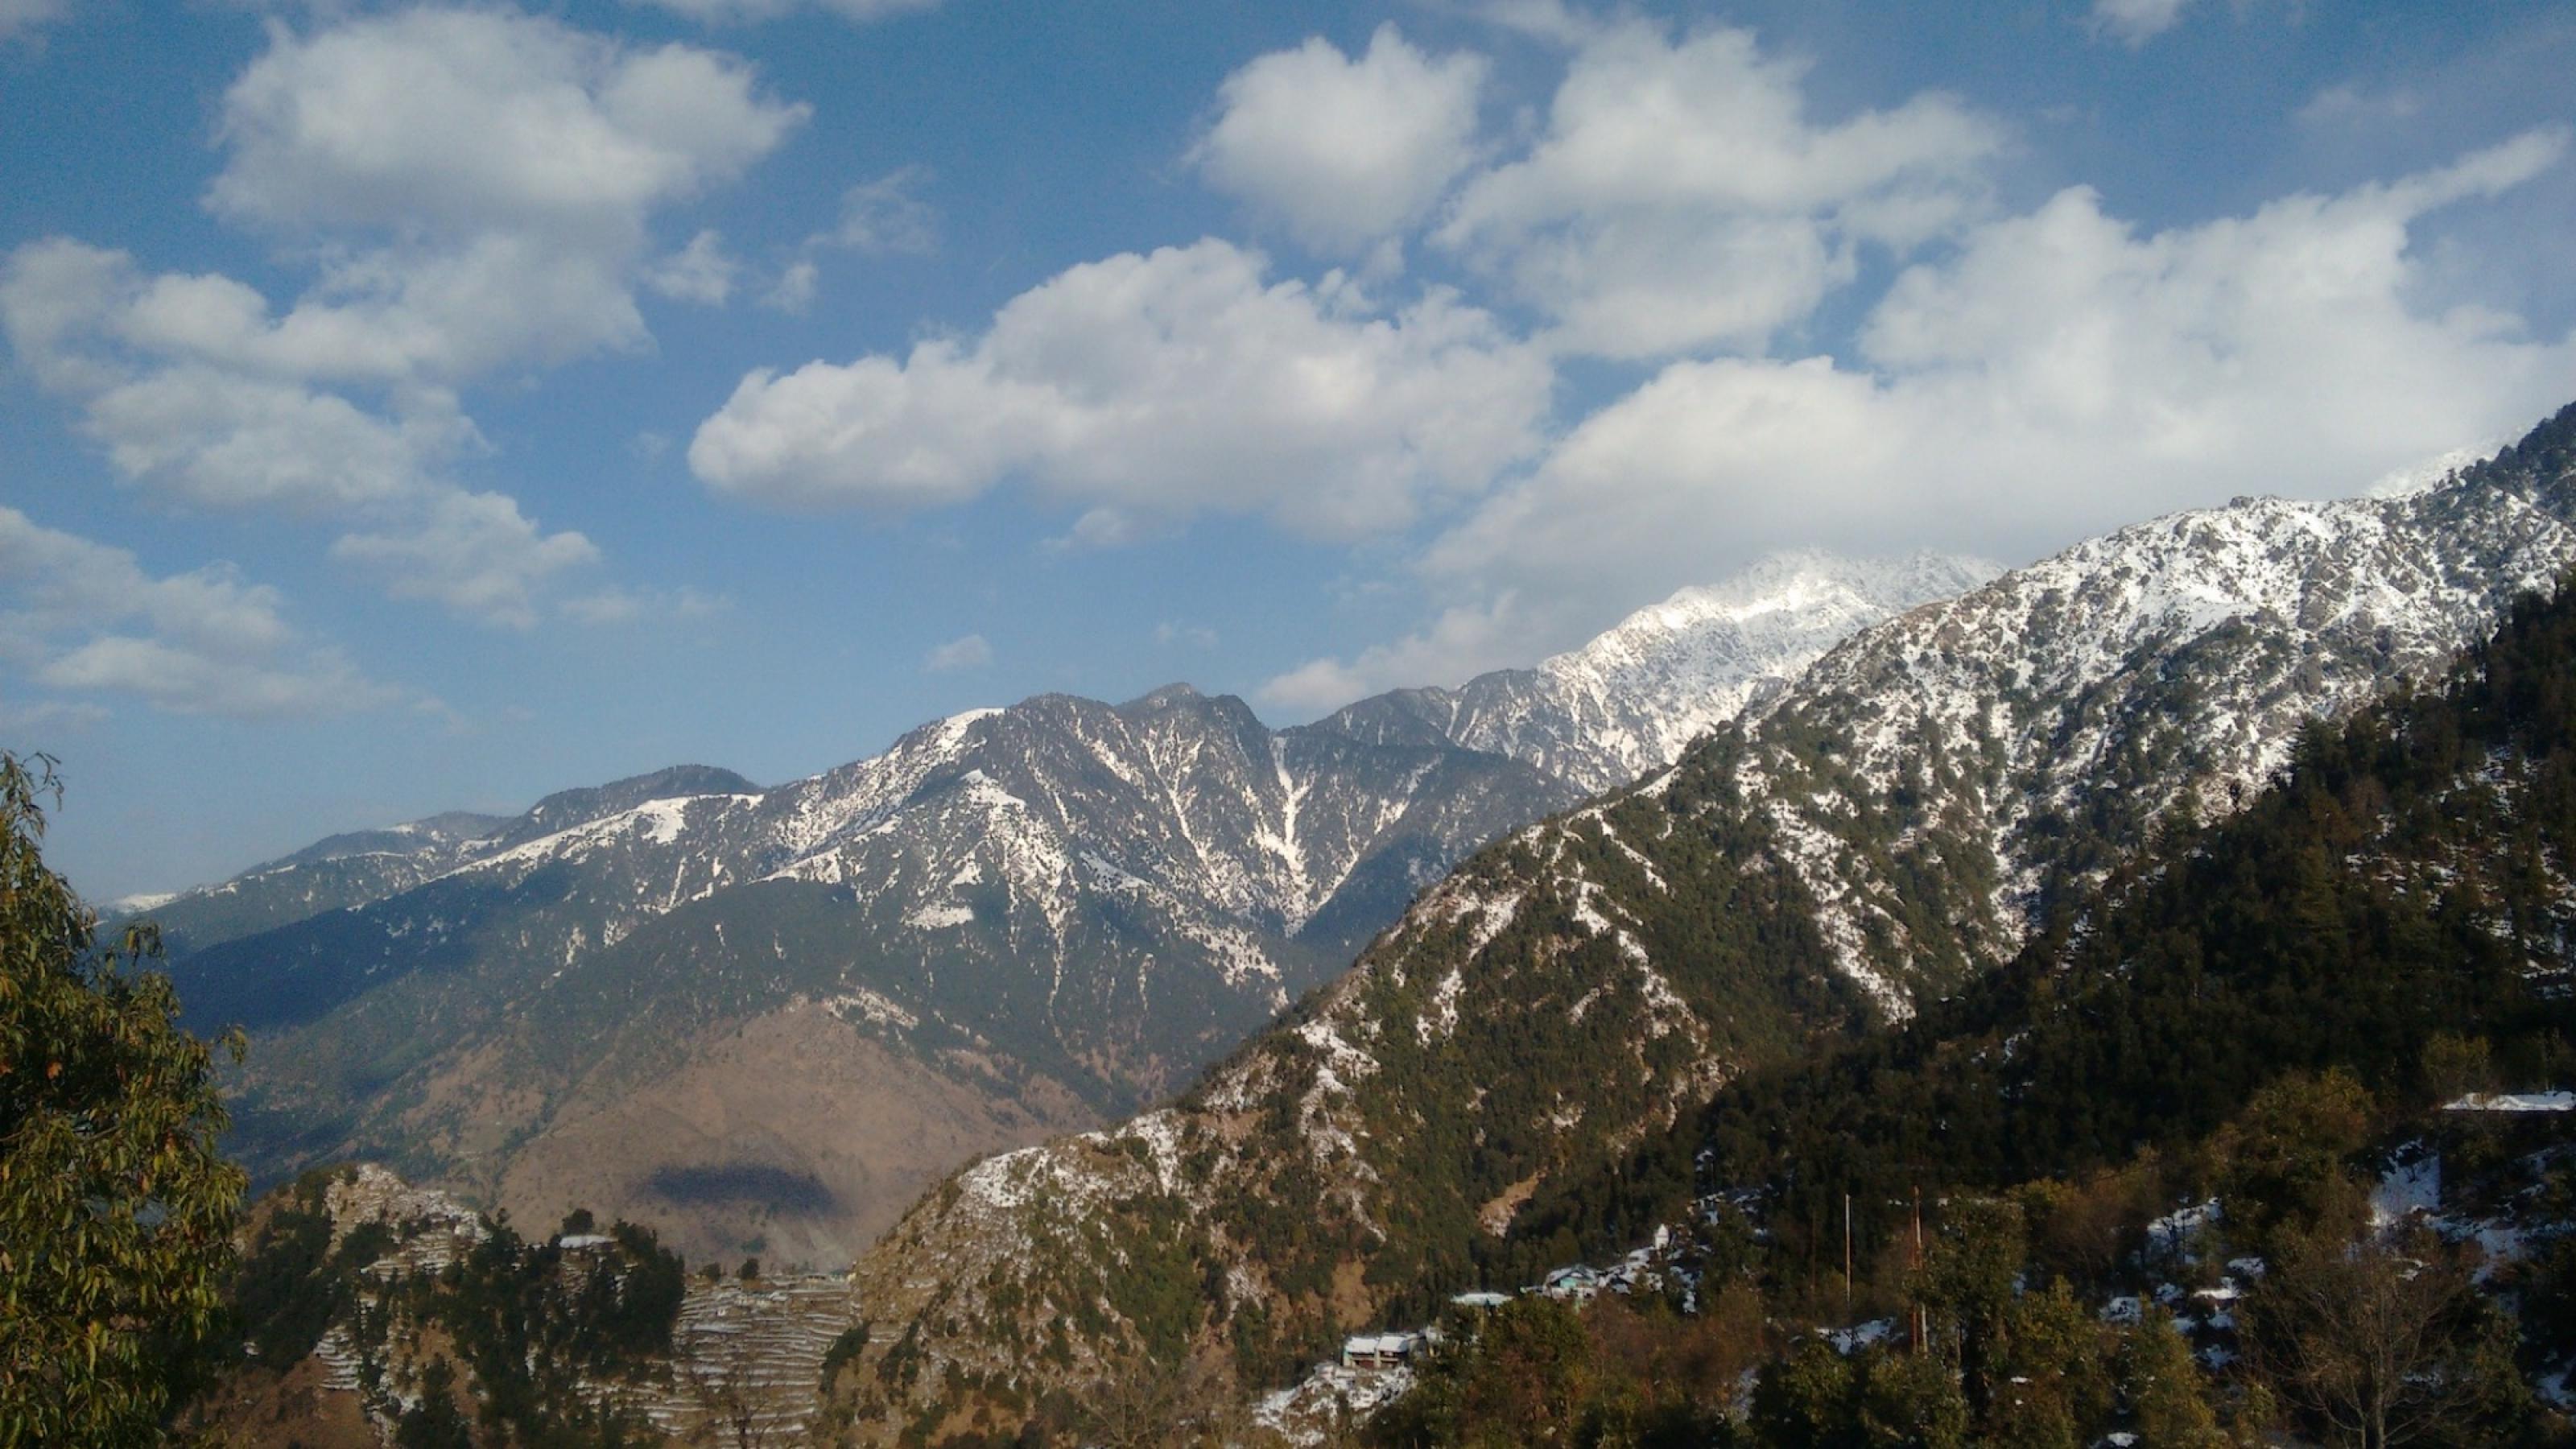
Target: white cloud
[699, 272]
[2062, 374]
[735, 12]
[25, 16]
[618, 605]
[475, 553]
[85, 617]
[509, 164]
[2135, 22]
[879, 218]
[1154, 386]
[1462, 642]
[471, 121]
[2341, 106]
[794, 291]
[1195, 636]
[884, 217]
[52, 716]
[227, 440]
[1109, 528]
[472, 190]
[1343, 152]
[968, 652]
[1679, 198]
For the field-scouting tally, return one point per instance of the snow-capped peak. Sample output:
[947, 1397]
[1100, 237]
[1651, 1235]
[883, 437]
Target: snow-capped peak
[2430, 474]
[1635, 696]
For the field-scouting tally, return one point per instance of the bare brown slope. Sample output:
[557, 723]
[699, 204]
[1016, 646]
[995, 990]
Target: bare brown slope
[790, 1136]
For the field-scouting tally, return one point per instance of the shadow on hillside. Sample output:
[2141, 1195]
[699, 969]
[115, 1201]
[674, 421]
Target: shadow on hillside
[743, 1182]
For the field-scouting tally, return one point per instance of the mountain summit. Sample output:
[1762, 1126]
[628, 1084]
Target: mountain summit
[1630, 700]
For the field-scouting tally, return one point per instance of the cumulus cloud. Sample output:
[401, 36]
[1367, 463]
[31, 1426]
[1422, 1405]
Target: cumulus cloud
[1152, 386]
[881, 218]
[698, 272]
[2062, 374]
[1679, 198]
[469, 121]
[795, 288]
[1109, 528]
[2135, 22]
[1343, 151]
[85, 617]
[735, 12]
[227, 440]
[472, 190]
[1462, 642]
[25, 16]
[475, 553]
[968, 652]
[888, 217]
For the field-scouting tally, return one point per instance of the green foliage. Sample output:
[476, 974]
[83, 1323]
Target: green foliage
[434, 1422]
[2163, 1387]
[1525, 1377]
[528, 1324]
[294, 1283]
[845, 1346]
[1909, 1401]
[2282, 1166]
[1808, 1399]
[532, 1322]
[2052, 1386]
[116, 1211]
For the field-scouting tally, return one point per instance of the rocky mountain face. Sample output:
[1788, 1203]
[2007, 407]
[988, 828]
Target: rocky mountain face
[1897, 820]
[1632, 699]
[328, 875]
[773, 1014]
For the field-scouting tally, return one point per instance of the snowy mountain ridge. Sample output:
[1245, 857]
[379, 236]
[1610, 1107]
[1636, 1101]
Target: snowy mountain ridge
[1634, 697]
[2171, 659]
[1063, 904]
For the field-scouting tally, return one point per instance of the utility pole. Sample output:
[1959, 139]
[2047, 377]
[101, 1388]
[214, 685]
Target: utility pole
[1847, 1257]
[1918, 1328]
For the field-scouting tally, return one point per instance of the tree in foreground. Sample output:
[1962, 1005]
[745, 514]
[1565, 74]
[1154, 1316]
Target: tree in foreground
[116, 1213]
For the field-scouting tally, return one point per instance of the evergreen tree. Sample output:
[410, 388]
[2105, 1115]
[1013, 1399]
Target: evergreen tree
[2163, 1388]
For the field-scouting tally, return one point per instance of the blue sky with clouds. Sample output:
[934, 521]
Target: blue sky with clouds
[410, 407]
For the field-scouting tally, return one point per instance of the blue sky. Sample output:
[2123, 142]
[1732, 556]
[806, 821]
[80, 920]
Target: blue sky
[413, 407]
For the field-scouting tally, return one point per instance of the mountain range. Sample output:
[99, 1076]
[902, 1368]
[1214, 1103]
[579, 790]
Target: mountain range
[2051, 889]
[1888, 828]
[765, 1018]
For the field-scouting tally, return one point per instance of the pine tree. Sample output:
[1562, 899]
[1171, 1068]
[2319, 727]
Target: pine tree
[2163, 1387]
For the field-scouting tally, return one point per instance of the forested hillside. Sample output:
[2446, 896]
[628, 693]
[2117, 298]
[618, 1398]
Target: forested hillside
[2408, 878]
[2237, 1052]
